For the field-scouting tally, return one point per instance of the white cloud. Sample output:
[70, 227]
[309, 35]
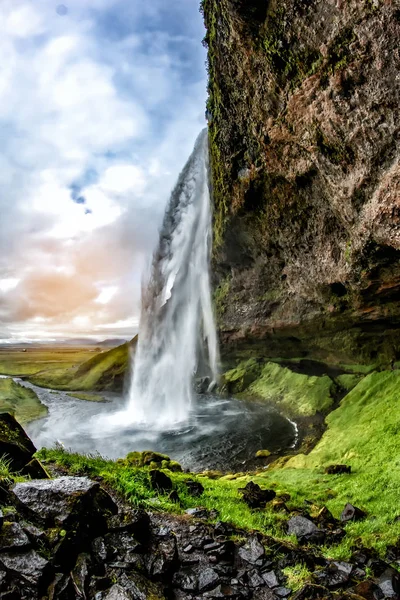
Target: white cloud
[103, 103]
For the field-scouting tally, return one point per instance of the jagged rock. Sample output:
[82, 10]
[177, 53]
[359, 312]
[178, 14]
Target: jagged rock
[162, 560]
[202, 385]
[208, 579]
[326, 518]
[270, 579]
[160, 481]
[252, 551]
[312, 592]
[12, 537]
[61, 588]
[198, 513]
[65, 501]
[35, 470]
[136, 522]
[15, 443]
[389, 583]
[254, 579]
[35, 535]
[352, 513]
[305, 530]
[368, 590]
[186, 581]
[255, 497]
[28, 569]
[117, 592]
[194, 488]
[80, 574]
[264, 594]
[335, 575]
[337, 469]
[223, 591]
[282, 592]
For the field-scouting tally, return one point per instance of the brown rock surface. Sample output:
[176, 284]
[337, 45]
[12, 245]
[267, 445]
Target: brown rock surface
[304, 137]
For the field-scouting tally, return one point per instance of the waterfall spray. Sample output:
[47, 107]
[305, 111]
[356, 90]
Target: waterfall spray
[177, 320]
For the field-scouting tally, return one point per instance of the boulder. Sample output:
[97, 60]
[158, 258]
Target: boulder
[64, 502]
[352, 513]
[208, 579]
[305, 530]
[194, 488]
[252, 551]
[135, 521]
[255, 497]
[13, 538]
[25, 570]
[15, 444]
[336, 575]
[160, 481]
[389, 583]
[337, 469]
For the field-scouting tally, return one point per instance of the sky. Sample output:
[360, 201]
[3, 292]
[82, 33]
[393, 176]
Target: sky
[100, 105]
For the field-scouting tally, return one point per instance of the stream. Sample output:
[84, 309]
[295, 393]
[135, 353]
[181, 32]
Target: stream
[220, 433]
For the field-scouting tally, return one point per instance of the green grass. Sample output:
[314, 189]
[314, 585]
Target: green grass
[102, 371]
[16, 362]
[294, 393]
[21, 402]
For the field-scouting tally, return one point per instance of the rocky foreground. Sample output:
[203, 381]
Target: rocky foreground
[68, 538]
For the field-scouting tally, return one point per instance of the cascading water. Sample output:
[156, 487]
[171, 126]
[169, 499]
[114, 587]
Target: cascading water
[177, 320]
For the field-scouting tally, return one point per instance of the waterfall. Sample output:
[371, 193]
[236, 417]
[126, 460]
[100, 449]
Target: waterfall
[177, 329]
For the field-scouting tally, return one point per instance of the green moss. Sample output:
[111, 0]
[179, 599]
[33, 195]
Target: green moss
[348, 381]
[87, 397]
[336, 151]
[294, 393]
[20, 401]
[297, 576]
[220, 296]
[237, 380]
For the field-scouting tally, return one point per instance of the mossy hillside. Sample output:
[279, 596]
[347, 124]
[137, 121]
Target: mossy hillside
[294, 393]
[103, 371]
[364, 432]
[20, 401]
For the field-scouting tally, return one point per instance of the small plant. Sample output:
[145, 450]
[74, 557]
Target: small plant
[297, 576]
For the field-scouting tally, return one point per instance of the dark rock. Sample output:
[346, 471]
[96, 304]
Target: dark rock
[368, 590]
[135, 521]
[202, 384]
[194, 488]
[335, 575]
[186, 581]
[117, 592]
[352, 513]
[148, 457]
[65, 502]
[223, 591]
[264, 594]
[62, 588]
[254, 579]
[208, 579]
[270, 579]
[312, 592]
[15, 443]
[174, 497]
[252, 551]
[99, 550]
[162, 560]
[12, 537]
[198, 513]
[35, 535]
[389, 583]
[1, 519]
[35, 470]
[282, 592]
[80, 574]
[28, 569]
[305, 530]
[188, 549]
[337, 469]
[255, 497]
[160, 481]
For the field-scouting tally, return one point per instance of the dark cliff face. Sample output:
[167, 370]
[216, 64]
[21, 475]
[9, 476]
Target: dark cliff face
[304, 138]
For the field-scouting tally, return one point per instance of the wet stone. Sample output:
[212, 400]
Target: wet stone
[194, 488]
[28, 568]
[186, 581]
[255, 497]
[64, 501]
[282, 592]
[305, 530]
[254, 579]
[270, 579]
[136, 522]
[208, 579]
[13, 537]
[160, 481]
[389, 583]
[198, 513]
[252, 551]
[352, 513]
[336, 575]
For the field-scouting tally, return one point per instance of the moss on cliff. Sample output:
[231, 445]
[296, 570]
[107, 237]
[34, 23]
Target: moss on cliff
[20, 401]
